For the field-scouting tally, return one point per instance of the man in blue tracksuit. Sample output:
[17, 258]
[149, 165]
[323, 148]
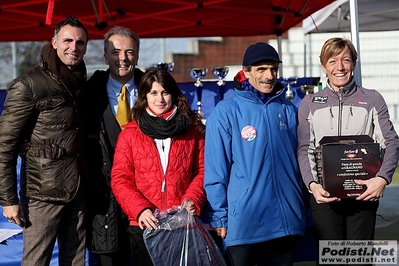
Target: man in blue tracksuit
[252, 178]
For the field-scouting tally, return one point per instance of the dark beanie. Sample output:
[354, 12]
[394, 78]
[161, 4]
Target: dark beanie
[260, 52]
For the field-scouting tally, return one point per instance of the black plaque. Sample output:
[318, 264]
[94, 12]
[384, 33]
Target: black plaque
[346, 159]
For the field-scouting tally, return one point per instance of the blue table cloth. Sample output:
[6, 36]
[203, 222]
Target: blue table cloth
[210, 93]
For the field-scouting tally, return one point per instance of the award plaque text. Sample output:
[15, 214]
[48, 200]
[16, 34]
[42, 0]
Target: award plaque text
[347, 160]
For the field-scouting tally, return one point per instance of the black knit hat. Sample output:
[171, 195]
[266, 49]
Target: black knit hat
[260, 52]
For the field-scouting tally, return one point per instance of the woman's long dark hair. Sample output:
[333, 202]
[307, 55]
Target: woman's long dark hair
[169, 84]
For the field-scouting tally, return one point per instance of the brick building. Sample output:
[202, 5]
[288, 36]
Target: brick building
[211, 53]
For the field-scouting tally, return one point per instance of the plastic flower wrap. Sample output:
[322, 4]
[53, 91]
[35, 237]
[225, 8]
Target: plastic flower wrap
[181, 240]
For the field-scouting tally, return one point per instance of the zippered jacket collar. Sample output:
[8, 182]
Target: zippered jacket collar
[348, 89]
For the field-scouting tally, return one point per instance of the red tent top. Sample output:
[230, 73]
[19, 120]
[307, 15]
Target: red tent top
[35, 20]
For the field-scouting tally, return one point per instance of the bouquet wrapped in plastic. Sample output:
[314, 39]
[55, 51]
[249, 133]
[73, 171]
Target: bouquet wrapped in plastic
[181, 240]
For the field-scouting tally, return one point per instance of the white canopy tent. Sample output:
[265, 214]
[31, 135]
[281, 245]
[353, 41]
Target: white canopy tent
[372, 15]
[354, 16]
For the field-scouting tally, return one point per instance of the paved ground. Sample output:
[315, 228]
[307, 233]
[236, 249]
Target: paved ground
[387, 227]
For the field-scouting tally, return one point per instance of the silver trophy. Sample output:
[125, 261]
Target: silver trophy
[288, 82]
[220, 73]
[307, 89]
[168, 67]
[200, 112]
[198, 74]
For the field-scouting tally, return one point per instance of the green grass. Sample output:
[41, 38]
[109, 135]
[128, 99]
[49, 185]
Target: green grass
[395, 179]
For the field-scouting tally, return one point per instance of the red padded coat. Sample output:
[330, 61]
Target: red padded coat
[137, 174]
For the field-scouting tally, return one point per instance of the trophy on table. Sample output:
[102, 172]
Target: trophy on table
[200, 112]
[220, 73]
[288, 82]
[168, 67]
[198, 74]
[307, 89]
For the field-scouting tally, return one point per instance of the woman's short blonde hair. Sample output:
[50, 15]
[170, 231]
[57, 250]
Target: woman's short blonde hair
[335, 46]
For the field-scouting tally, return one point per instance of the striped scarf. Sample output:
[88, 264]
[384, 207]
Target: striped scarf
[263, 96]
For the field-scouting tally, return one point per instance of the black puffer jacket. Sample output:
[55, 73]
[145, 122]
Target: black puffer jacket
[40, 107]
[99, 130]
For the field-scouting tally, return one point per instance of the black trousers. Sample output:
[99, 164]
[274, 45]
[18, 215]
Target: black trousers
[276, 252]
[348, 219]
[113, 259]
[140, 255]
[121, 257]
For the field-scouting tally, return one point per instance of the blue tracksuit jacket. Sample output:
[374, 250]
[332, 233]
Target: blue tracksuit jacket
[252, 178]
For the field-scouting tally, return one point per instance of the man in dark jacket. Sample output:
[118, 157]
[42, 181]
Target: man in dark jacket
[107, 223]
[40, 107]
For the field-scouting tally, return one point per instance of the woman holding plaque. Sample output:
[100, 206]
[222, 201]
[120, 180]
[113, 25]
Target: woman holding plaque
[343, 108]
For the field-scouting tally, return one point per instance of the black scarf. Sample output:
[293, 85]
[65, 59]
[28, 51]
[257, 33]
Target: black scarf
[74, 80]
[159, 128]
[263, 96]
[242, 83]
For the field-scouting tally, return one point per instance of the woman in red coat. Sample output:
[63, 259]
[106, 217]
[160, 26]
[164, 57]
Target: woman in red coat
[159, 158]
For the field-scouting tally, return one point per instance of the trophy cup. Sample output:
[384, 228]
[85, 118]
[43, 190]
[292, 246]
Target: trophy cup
[307, 89]
[288, 81]
[198, 74]
[168, 67]
[220, 73]
[200, 112]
